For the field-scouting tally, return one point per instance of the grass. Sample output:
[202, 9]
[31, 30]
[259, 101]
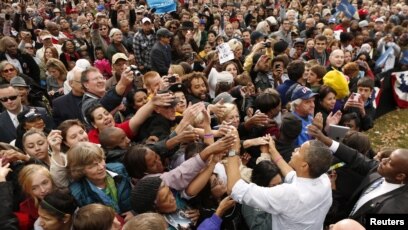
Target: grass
[390, 130]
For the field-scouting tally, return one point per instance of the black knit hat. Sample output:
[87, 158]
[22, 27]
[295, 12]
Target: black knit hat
[144, 194]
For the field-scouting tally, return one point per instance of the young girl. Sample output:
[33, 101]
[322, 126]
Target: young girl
[315, 78]
[36, 182]
[102, 63]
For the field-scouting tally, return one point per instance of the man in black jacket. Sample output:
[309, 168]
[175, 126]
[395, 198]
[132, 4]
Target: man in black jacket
[383, 190]
[69, 106]
[160, 56]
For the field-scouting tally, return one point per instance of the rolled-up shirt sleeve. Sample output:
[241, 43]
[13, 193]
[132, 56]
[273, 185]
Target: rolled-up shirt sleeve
[273, 200]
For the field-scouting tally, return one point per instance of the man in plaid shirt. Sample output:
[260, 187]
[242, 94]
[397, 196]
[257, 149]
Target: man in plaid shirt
[143, 42]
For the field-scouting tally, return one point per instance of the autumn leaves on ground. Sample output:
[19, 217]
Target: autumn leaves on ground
[390, 130]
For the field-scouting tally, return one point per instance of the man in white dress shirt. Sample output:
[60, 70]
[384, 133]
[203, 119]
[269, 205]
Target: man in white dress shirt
[303, 201]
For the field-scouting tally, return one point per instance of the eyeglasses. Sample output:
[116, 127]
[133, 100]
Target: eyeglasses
[8, 70]
[173, 27]
[102, 29]
[29, 47]
[11, 98]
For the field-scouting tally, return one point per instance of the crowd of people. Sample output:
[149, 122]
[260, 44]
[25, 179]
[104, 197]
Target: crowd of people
[219, 115]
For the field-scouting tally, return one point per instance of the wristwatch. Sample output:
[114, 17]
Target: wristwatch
[232, 153]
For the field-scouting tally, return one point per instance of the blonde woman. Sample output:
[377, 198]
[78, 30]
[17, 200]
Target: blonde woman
[57, 74]
[36, 182]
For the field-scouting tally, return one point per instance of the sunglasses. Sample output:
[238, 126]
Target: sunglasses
[8, 70]
[102, 29]
[11, 98]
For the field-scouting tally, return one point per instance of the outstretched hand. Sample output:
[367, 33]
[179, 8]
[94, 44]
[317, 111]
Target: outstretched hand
[162, 99]
[219, 147]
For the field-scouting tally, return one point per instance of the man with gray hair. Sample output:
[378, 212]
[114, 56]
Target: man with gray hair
[302, 106]
[68, 106]
[310, 24]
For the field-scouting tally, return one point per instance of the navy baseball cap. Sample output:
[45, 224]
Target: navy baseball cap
[302, 92]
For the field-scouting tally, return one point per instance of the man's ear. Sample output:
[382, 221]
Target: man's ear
[401, 177]
[66, 218]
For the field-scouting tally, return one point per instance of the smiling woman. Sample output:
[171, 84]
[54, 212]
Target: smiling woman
[7, 71]
[98, 182]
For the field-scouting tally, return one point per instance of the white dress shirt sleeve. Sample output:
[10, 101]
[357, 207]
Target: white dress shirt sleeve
[334, 146]
[273, 200]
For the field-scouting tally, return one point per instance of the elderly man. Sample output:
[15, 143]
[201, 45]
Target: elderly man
[302, 106]
[69, 106]
[310, 24]
[94, 85]
[384, 190]
[303, 201]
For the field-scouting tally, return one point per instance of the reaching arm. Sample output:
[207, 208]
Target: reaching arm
[144, 112]
[233, 163]
[201, 180]
[277, 158]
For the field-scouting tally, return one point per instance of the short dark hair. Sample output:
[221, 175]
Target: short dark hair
[319, 158]
[296, 70]
[319, 70]
[346, 37]
[366, 82]
[282, 58]
[358, 141]
[88, 112]
[321, 38]
[351, 116]
[105, 137]
[263, 173]
[267, 101]
[58, 203]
